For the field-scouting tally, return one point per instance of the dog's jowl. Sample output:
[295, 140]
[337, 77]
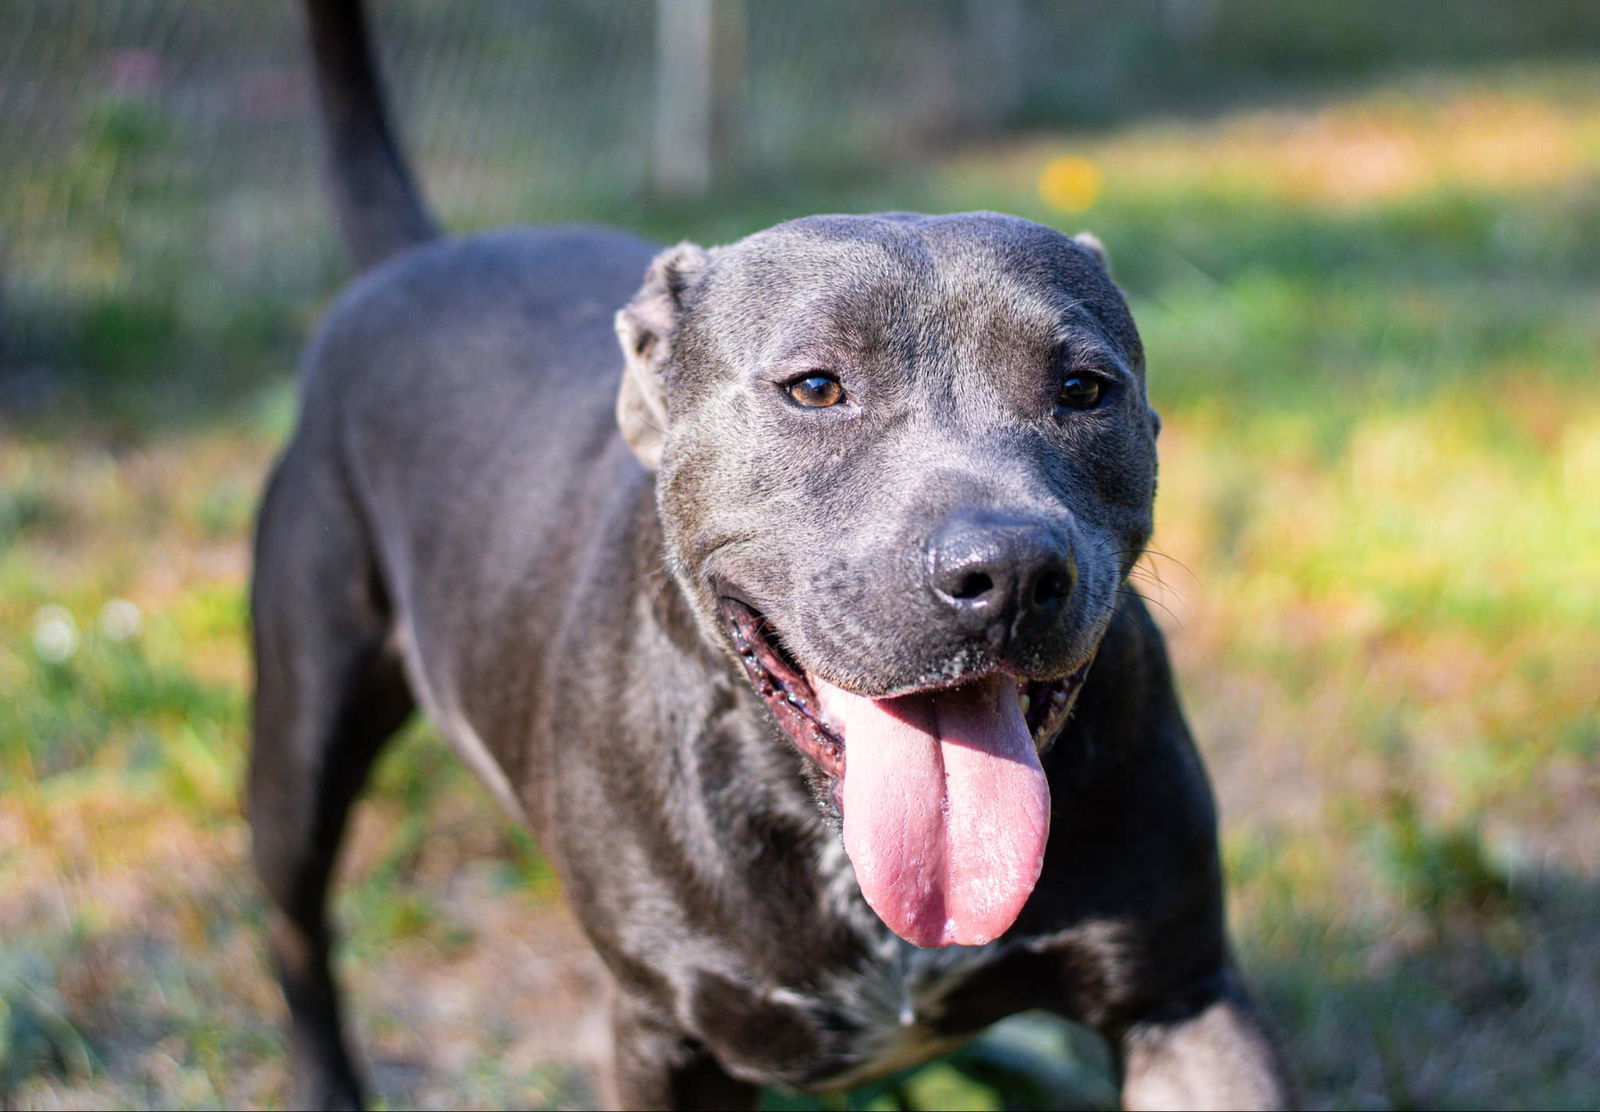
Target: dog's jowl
[796, 626]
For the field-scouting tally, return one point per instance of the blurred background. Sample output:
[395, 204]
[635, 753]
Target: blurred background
[1362, 240]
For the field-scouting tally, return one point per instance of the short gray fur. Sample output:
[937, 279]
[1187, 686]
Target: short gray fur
[458, 524]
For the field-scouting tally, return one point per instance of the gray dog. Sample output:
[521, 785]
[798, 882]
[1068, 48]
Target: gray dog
[796, 630]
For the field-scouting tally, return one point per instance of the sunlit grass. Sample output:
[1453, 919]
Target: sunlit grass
[1372, 328]
[1512, 133]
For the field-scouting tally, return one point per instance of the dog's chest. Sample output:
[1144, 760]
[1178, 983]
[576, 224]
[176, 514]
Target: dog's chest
[897, 1006]
[887, 1006]
[893, 1007]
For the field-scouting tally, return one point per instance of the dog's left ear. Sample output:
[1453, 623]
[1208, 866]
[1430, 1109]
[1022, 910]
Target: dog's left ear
[646, 327]
[1091, 243]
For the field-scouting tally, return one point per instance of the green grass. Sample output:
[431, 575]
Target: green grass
[1372, 325]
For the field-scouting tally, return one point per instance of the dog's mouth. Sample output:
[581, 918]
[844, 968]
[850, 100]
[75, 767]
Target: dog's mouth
[945, 804]
[790, 692]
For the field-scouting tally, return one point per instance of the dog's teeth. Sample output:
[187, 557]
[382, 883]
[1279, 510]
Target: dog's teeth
[1024, 702]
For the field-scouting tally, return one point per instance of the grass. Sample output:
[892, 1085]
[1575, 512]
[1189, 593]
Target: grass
[1372, 323]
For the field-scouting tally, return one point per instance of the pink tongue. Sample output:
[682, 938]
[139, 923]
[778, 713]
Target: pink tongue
[946, 809]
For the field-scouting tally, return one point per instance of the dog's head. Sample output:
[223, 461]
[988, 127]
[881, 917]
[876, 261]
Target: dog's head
[905, 464]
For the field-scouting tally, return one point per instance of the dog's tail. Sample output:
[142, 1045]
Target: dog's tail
[381, 212]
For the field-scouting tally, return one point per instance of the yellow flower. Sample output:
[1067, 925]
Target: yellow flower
[1070, 183]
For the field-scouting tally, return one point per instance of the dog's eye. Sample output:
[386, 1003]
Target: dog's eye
[1080, 392]
[816, 391]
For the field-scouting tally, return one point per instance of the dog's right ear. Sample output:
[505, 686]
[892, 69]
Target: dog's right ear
[646, 326]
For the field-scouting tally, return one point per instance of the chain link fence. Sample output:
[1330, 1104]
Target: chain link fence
[161, 218]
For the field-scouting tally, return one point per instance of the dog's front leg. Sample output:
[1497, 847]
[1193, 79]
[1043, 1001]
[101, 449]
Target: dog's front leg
[653, 1066]
[1219, 1056]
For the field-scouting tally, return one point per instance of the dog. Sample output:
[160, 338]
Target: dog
[795, 626]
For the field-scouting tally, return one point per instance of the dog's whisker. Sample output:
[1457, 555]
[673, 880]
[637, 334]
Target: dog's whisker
[1177, 620]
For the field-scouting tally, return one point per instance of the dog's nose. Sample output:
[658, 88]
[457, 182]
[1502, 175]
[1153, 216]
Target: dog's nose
[1003, 577]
